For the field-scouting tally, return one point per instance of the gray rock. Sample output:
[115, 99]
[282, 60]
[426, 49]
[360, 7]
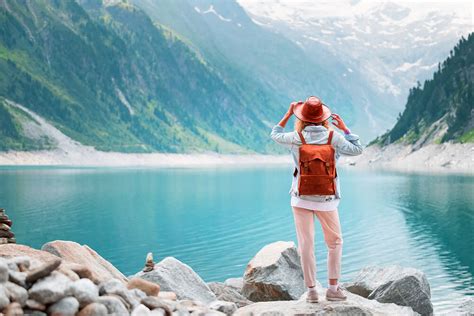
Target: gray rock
[42, 271]
[467, 307]
[67, 306]
[159, 312]
[153, 302]
[50, 289]
[274, 274]
[85, 291]
[18, 278]
[30, 312]
[3, 271]
[227, 308]
[93, 309]
[140, 310]
[394, 284]
[4, 300]
[115, 286]
[16, 293]
[13, 309]
[34, 305]
[174, 275]
[228, 294]
[113, 304]
[22, 262]
[236, 283]
[354, 305]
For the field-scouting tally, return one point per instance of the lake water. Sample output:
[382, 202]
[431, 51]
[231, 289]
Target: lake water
[215, 220]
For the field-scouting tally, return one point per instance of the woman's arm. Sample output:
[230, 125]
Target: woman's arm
[350, 144]
[277, 134]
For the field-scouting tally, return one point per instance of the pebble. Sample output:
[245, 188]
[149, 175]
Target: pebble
[93, 309]
[154, 302]
[16, 293]
[149, 264]
[42, 271]
[13, 309]
[67, 306]
[3, 271]
[114, 286]
[50, 289]
[34, 305]
[18, 278]
[151, 289]
[113, 304]
[85, 291]
[140, 310]
[4, 300]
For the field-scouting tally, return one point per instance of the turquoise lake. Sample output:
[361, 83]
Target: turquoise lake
[215, 220]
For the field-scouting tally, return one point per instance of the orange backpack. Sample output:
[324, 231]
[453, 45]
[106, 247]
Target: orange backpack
[317, 168]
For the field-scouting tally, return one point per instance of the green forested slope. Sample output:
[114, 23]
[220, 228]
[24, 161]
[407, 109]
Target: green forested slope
[442, 109]
[108, 77]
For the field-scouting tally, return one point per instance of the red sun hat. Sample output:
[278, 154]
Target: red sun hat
[312, 110]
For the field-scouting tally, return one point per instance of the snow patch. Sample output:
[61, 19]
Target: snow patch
[124, 101]
[213, 11]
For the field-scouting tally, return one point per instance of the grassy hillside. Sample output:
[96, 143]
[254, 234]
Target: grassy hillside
[107, 76]
[442, 109]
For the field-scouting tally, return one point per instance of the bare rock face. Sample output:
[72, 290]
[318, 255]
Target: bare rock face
[394, 284]
[176, 276]
[101, 269]
[229, 294]
[354, 305]
[274, 274]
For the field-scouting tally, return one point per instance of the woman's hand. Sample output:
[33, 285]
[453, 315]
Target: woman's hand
[339, 123]
[288, 114]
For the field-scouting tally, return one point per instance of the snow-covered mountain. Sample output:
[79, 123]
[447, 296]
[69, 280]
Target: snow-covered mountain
[388, 45]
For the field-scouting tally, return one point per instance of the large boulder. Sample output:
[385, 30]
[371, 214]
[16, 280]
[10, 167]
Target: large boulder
[227, 293]
[101, 269]
[354, 305]
[274, 274]
[176, 276]
[394, 284]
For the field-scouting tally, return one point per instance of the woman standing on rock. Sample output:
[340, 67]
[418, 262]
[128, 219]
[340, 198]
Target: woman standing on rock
[315, 186]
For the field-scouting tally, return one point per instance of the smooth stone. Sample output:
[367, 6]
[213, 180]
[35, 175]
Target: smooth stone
[70, 274]
[150, 288]
[50, 289]
[30, 312]
[82, 271]
[3, 271]
[4, 300]
[227, 308]
[274, 273]
[140, 310]
[18, 278]
[153, 302]
[13, 309]
[115, 286]
[236, 283]
[93, 309]
[394, 284]
[22, 262]
[16, 293]
[70, 251]
[3, 241]
[85, 291]
[159, 312]
[113, 304]
[42, 271]
[6, 234]
[34, 305]
[176, 276]
[67, 306]
[168, 295]
[4, 226]
[227, 293]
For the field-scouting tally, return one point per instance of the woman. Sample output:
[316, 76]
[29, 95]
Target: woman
[312, 122]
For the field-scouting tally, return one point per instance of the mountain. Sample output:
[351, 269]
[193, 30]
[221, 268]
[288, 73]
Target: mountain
[105, 75]
[442, 108]
[247, 55]
[378, 49]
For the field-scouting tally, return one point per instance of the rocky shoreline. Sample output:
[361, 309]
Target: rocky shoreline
[65, 278]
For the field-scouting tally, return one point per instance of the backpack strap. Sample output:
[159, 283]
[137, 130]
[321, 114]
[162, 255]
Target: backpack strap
[330, 137]
[302, 138]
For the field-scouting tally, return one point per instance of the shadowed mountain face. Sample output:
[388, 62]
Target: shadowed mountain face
[108, 77]
[442, 109]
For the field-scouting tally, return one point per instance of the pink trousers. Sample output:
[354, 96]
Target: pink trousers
[304, 222]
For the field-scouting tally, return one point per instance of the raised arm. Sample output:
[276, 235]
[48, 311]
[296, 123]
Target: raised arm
[350, 143]
[277, 134]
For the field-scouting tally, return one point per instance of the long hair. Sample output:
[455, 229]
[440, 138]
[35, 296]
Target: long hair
[300, 125]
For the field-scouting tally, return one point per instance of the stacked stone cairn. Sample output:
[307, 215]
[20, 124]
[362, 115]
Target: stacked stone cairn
[6, 235]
